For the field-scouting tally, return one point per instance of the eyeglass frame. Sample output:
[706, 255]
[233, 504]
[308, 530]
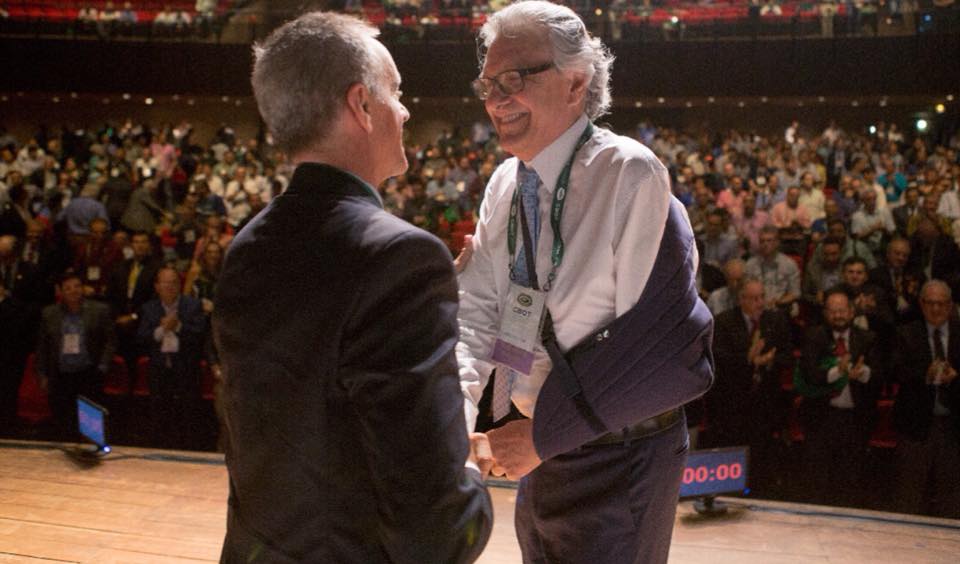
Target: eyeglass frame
[523, 73]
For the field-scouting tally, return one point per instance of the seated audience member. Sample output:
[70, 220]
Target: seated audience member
[716, 245]
[928, 211]
[900, 284]
[903, 214]
[752, 349]
[818, 229]
[15, 344]
[94, 258]
[171, 333]
[927, 410]
[869, 302]
[836, 229]
[872, 224]
[811, 196]
[215, 231]
[789, 213]
[778, 272]
[725, 298]
[187, 228]
[949, 206]
[74, 352]
[130, 286]
[839, 361]
[83, 209]
[731, 197]
[822, 274]
[749, 223]
[143, 213]
[698, 210]
[847, 196]
[934, 254]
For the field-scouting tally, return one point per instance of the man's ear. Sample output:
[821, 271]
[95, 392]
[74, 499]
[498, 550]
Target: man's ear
[578, 89]
[358, 104]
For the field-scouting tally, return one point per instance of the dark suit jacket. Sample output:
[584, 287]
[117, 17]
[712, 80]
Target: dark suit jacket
[944, 262]
[336, 326]
[731, 343]
[912, 282]
[97, 333]
[143, 292]
[913, 409]
[820, 345]
[186, 362]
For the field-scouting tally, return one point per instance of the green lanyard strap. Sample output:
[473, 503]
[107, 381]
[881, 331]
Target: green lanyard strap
[556, 213]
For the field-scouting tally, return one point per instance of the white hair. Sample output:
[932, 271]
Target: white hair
[573, 46]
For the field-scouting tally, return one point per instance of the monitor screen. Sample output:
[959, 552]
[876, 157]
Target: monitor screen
[92, 421]
[712, 472]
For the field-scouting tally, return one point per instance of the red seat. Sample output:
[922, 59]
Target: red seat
[142, 386]
[32, 405]
[117, 380]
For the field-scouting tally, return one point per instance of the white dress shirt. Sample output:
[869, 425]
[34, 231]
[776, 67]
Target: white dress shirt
[614, 217]
[845, 399]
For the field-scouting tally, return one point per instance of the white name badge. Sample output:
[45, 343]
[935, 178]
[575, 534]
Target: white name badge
[93, 273]
[71, 343]
[520, 328]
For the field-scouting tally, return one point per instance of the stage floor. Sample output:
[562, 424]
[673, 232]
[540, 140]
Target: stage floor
[145, 506]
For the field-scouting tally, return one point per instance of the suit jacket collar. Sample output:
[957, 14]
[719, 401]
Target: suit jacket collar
[325, 179]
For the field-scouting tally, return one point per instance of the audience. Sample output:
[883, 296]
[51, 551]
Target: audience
[143, 217]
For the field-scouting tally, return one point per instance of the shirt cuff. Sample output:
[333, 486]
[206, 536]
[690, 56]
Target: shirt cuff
[834, 374]
[158, 334]
[470, 464]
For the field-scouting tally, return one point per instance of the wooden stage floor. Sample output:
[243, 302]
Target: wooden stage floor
[145, 506]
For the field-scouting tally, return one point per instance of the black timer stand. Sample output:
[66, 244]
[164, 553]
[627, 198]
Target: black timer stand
[709, 506]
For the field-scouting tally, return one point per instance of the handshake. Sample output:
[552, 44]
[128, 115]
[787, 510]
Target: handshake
[505, 451]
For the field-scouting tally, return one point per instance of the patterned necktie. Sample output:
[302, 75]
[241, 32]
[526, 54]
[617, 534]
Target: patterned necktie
[840, 347]
[528, 183]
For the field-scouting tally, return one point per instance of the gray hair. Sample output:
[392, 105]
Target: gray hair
[936, 283]
[302, 71]
[573, 46]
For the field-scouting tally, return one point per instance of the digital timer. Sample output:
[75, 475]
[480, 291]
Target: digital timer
[711, 472]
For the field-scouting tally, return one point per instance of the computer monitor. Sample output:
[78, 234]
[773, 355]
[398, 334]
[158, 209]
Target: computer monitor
[92, 423]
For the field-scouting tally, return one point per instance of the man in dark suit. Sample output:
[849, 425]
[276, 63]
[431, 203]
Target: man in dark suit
[935, 254]
[15, 345]
[840, 362]
[900, 284]
[131, 285]
[336, 325]
[927, 409]
[74, 352]
[171, 333]
[752, 349]
[911, 207]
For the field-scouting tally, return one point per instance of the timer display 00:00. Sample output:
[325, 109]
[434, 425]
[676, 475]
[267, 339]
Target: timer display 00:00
[704, 474]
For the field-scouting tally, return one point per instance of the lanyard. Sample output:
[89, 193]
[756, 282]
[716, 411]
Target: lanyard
[556, 213]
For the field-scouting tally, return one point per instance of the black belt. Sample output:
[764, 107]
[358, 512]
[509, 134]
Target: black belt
[640, 430]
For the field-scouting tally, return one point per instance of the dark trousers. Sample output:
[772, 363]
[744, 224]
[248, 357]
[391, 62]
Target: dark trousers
[173, 407]
[605, 504]
[928, 472]
[835, 456]
[64, 389]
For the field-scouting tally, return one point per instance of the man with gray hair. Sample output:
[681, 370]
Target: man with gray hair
[581, 293]
[336, 326]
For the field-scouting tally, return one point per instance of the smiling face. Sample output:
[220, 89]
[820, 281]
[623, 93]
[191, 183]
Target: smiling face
[529, 120]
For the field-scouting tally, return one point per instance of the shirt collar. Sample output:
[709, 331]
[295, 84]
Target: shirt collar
[845, 334]
[944, 329]
[551, 160]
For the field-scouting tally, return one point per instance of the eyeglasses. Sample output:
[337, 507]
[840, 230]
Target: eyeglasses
[507, 82]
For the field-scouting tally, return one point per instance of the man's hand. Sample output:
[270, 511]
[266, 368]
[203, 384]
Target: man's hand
[169, 322]
[857, 371]
[843, 364]
[463, 258]
[480, 453]
[513, 450]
